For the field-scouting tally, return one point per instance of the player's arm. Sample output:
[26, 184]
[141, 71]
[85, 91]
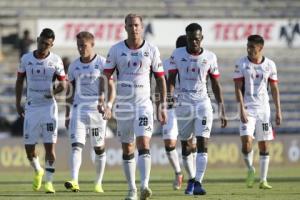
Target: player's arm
[60, 87]
[103, 108]
[69, 101]
[217, 90]
[18, 92]
[162, 87]
[276, 98]
[238, 83]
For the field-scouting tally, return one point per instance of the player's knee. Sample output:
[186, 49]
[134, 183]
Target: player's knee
[77, 147]
[185, 150]
[128, 156]
[144, 152]
[99, 150]
[169, 148]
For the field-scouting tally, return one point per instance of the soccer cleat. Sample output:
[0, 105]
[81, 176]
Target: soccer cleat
[264, 185]
[98, 188]
[72, 185]
[132, 195]
[178, 181]
[198, 189]
[37, 180]
[250, 177]
[49, 187]
[190, 187]
[146, 193]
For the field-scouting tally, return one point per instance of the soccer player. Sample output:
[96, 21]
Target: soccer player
[170, 133]
[40, 68]
[134, 59]
[194, 110]
[86, 89]
[252, 76]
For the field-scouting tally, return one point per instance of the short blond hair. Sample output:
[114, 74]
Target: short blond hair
[132, 15]
[85, 35]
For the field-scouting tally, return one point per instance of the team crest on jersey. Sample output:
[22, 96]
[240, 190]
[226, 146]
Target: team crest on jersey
[96, 66]
[146, 54]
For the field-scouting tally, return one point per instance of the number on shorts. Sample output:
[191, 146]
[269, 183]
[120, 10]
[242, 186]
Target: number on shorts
[265, 126]
[143, 121]
[50, 127]
[204, 121]
[95, 132]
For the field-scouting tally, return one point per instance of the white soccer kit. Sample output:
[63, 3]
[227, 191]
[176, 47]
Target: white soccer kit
[170, 129]
[134, 110]
[194, 110]
[40, 113]
[256, 99]
[85, 117]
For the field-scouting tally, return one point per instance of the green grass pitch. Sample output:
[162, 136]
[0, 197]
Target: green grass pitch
[221, 184]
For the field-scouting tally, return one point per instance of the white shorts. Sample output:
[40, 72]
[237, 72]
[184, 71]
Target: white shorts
[259, 121]
[87, 122]
[40, 121]
[170, 129]
[194, 119]
[135, 124]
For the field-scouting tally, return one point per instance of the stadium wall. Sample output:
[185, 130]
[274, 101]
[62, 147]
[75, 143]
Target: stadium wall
[224, 151]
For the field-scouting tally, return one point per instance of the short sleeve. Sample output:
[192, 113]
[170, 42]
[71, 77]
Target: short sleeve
[156, 63]
[238, 73]
[213, 68]
[273, 73]
[172, 68]
[111, 61]
[59, 70]
[22, 67]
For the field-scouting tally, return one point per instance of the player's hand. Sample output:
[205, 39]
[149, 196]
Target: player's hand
[67, 122]
[243, 115]
[162, 117]
[278, 118]
[105, 110]
[20, 110]
[222, 115]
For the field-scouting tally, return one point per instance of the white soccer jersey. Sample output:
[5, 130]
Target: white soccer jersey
[256, 78]
[133, 68]
[86, 77]
[40, 75]
[192, 72]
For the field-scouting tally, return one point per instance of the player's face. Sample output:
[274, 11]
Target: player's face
[194, 40]
[85, 47]
[254, 50]
[44, 44]
[134, 28]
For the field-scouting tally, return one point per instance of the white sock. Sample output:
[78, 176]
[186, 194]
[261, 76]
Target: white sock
[35, 163]
[188, 163]
[201, 166]
[195, 161]
[49, 167]
[174, 161]
[248, 158]
[76, 156]
[129, 170]
[144, 163]
[264, 166]
[100, 161]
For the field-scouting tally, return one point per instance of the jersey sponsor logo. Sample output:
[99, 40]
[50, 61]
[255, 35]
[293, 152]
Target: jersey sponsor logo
[123, 54]
[193, 60]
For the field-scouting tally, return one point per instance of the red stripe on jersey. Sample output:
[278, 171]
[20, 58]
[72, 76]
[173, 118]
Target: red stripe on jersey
[272, 80]
[173, 71]
[21, 74]
[61, 78]
[159, 74]
[215, 76]
[109, 71]
[239, 79]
